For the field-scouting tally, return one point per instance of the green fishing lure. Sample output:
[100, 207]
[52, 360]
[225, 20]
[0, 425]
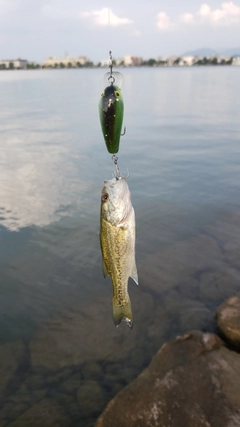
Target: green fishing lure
[111, 110]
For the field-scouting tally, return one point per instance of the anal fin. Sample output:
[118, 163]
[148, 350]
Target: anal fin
[134, 274]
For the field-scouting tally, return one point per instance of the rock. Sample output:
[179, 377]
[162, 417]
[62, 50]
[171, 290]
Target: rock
[72, 383]
[91, 398]
[47, 413]
[11, 355]
[219, 284]
[193, 381]
[92, 370]
[11, 411]
[88, 334]
[179, 263]
[228, 319]
[35, 382]
[226, 232]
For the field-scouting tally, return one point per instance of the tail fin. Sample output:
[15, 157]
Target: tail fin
[123, 312]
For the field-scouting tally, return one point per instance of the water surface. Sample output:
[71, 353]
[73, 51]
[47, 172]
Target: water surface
[182, 150]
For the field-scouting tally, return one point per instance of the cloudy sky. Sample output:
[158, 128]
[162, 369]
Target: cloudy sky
[37, 29]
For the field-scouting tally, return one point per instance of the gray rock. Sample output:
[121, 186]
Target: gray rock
[91, 398]
[193, 381]
[219, 284]
[226, 232]
[92, 370]
[179, 262]
[88, 333]
[228, 319]
[47, 413]
[72, 383]
[11, 355]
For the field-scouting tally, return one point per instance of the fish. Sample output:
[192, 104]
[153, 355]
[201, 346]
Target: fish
[117, 239]
[111, 110]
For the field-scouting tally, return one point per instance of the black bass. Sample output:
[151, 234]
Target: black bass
[117, 237]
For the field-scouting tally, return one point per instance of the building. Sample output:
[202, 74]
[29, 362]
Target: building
[19, 64]
[136, 61]
[236, 60]
[65, 62]
[171, 60]
[187, 61]
[132, 61]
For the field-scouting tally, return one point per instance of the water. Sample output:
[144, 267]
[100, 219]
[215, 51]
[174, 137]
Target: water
[60, 352]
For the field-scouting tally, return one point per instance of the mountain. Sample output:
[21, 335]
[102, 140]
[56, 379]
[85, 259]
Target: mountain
[204, 51]
[210, 52]
[230, 52]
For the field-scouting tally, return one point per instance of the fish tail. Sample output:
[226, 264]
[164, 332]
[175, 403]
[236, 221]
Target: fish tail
[123, 312]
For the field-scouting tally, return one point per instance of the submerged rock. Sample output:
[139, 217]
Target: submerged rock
[47, 413]
[228, 319]
[179, 263]
[11, 355]
[91, 398]
[88, 334]
[192, 381]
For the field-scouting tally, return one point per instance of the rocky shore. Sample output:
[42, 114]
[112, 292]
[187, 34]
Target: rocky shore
[192, 381]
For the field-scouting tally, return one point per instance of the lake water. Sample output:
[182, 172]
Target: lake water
[60, 354]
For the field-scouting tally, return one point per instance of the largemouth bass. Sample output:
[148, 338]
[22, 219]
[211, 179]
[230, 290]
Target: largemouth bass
[117, 237]
[111, 117]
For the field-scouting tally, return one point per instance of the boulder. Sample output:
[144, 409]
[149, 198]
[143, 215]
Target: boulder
[228, 319]
[193, 381]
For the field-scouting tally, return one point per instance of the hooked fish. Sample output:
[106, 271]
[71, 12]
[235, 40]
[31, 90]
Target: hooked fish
[117, 237]
[111, 110]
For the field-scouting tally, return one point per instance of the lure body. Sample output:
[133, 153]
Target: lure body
[111, 110]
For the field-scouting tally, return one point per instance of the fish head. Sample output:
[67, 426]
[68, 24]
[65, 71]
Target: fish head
[115, 200]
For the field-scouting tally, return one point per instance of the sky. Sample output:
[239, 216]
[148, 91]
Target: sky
[37, 29]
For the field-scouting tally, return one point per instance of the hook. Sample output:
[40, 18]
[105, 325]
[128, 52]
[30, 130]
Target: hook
[124, 131]
[118, 173]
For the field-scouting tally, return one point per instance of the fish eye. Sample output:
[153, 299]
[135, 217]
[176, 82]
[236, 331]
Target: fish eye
[117, 93]
[104, 197]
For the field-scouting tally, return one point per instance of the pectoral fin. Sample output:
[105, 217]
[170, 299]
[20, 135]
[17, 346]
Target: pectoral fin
[104, 268]
[134, 274]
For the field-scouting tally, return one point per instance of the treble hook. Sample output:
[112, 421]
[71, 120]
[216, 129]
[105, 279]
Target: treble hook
[124, 131]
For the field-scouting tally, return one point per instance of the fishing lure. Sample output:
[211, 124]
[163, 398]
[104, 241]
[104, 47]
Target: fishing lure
[111, 110]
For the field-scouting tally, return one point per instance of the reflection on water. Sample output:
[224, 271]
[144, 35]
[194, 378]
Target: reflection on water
[60, 354]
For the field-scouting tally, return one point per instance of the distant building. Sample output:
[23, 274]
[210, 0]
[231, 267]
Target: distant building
[20, 64]
[236, 60]
[55, 62]
[127, 59]
[171, 60]
[187, 61]
[136, 61]
[132, 61]
[105, 62]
